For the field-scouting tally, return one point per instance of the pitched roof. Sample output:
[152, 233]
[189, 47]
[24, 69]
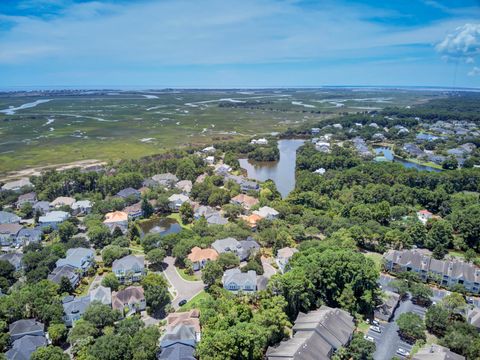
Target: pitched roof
[226, 245]
[81, 204]
[240, 278]
[76, 306]
[13, 258]
[124, 193]
[178, 197]
[179, 334]
[76, 257]
[25, 326]
[165, 178]
[62, 200]
[129, 295]
[58, 273]
[245, 200]
[116, 216]
[132, 209]
[8, 218]
[17, 184]
[54, 216]
[10, 229]
[102, 294]
[128, 262]
[198, 254]
[266, 211]
[189, 318]
[23, 348]
[184, 185]
[286, 252]
[27, 197]
[177, 352]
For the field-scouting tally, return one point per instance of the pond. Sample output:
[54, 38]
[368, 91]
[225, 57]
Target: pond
[388, 154]
[158, 225]
[282, 172]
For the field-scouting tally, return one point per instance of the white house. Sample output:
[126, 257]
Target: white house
[176, 201]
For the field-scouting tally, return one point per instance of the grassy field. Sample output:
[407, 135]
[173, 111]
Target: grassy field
[117, 125]
[196, 302]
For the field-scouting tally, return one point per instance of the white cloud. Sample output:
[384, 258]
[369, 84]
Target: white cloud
[188, 32]
[462, 43]
[475, 71]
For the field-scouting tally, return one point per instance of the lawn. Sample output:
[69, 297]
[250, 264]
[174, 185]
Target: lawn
[196, 302]
[186, 276]
[363, 327]
[178, 219]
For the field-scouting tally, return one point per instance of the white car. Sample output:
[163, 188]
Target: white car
[376, 329]
[375, 322]
[403, 352]
[369, 338]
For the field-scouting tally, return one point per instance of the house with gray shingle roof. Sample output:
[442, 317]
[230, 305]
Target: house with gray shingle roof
[13, 258]
[9, 233]
[130, 268]
[65, 271]
[436, 352]
[180, 334]
[53, 219]
[21, 328]
[82, 207]
[23, 348]
[30, 198]
[102, 294]
[166, 180]
[129, 300]
[177, 351]
[129, 193]
[9, 218]
[79, 258]
[17, 185]
[267, 212]
[176, 201]
[42, 207]
[74, 308]
[227, 245]
[316, 335]
[28, 235]
[235, 280]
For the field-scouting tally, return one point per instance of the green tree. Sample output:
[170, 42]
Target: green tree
[156, 256]
[110, 253]
[82, 330]
[450, 163]
[454, 303]
[129, 326]
[57, 333]
[417, 234]
[99, 235]
[49, 353]
[111, 281]
[65, 286]
[421, 293]
[228, 260]
[156, 293]
[186, 213]
[100, 315]
[437, 319]
[111, 347]
[358, 349]
[144, 343]
[147, 208]
[411, 327]
[440, 235]
[468, 224]
[66, 230]
[212, 273]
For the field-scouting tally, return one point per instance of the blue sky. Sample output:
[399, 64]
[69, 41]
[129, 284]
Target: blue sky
[232, 43]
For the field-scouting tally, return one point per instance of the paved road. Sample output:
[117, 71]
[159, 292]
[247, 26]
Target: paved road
[388, 342]
[184, 289]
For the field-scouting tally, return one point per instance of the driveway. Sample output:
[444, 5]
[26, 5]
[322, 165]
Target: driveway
[184, 289]
[388, 342]
[97, 281]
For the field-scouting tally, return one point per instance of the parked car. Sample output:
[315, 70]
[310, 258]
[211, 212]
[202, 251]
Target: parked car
[369, 338]
[376, 329]
[403, 352]
[182, 302]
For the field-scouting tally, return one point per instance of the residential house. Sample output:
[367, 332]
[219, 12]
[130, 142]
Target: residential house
[148, 183]
[129, 301]
[436, 352]
[216, 219]
[283, 257]
[386, 309]
[102, 294]
[248, 185]
[252, 220]
[245, 201]
[205, 211]
[199, 257]
[266, 212]
[413, 150]
[134, 211]
[65, 271]
[29, 235]
[41, 207]
[17, 185]
[177, 351]
[361, 147]
[74, 308]
[249, 247]
[53, 219]
[222, 169]
[28, 198]
[8, 218]
[188, 318]
[180, 334]
[227, 245]
[235, 280]
[315, 131]
[322, 146]
[176, 201]
[444, 272]
[261, 141]
[116, 219]
[13, 258]
[320, 171]
[23, 348]
[424, 216]
[62, 201]
[130, 268]
[185, 186]
[24, 327]
[79, 258]
[316, 335]
[83, 207]
[129, 193]
[9, 233]
[165, 180]
[210, 160]
[208, 150]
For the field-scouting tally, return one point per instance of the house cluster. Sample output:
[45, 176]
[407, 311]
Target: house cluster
[75, 265]
[322, 143]
[181, 335]
[316, 335]
[361, 147]
[444, 272]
